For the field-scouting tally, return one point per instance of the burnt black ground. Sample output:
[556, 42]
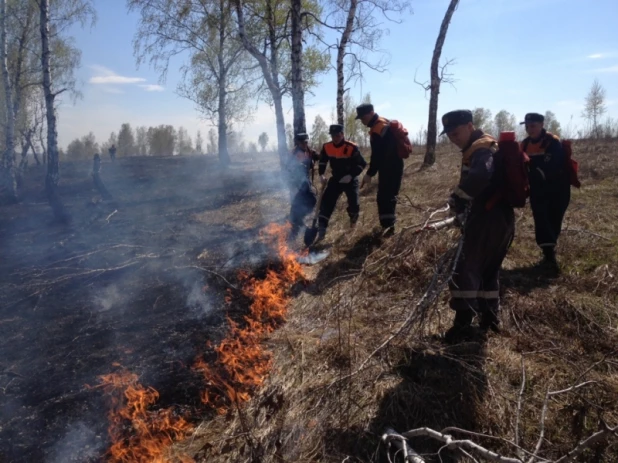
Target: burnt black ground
[125, 282]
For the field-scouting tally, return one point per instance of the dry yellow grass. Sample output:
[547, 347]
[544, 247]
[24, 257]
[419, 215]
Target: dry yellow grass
[557, 328]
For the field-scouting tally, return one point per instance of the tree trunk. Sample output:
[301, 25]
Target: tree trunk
[298, 91]
[53, 168]
[341, 51]
[432, 129]
[224, 155]
[9, 153]
[270, 73]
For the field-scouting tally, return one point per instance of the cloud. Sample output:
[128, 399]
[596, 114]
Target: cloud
[152, 87]
[105, 75]
[595, 56]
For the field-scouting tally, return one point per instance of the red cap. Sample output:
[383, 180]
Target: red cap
[507, 136]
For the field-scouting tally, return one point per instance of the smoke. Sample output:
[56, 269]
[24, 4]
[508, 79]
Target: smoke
[110, 297]
[198, 303]
[79, 444]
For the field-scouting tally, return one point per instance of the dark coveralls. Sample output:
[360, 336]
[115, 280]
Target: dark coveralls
[550, 189]
[345, 159]
[487, 235]
[112, 153]
[298, 168]
[386, 162]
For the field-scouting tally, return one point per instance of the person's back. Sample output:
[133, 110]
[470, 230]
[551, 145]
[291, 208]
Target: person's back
[112, 152]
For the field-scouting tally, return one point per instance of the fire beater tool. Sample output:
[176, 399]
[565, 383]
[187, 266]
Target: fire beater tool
[312, 232]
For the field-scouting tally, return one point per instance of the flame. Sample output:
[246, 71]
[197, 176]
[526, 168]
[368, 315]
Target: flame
[138, 434]
[242, 362]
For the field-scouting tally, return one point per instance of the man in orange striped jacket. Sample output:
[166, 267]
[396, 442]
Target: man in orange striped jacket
[346, 163]
[550, 190]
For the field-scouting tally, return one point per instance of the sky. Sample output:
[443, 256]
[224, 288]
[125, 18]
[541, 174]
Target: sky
[521, 56]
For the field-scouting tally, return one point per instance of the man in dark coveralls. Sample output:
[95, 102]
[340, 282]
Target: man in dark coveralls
[347, 163]
[385, 162]
[488, 232]
[299, 166]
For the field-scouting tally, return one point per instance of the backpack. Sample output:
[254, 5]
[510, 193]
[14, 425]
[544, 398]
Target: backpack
[512, 167]
[403, 143]
[570, 165]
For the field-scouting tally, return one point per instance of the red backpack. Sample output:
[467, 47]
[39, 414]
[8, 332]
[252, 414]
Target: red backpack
[572, 166]
[404, 145]
[513, 165]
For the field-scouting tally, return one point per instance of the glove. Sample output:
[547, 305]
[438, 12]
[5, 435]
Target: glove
[346, 179]
[456, 204]
[366, 180]
[323, 180]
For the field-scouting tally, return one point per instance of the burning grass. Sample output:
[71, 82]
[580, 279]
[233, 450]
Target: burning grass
[558, 332]
[141, 433]
[138, 433]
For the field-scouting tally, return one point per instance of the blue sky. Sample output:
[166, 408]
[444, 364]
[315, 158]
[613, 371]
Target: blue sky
[522, 56]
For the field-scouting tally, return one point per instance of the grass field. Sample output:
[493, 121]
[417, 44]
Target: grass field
[143, 281]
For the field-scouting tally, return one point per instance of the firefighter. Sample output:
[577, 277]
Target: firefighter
[488, 232]
[550, 190]
[386, 162]
[299, 166]
[112, 152]
[347, 163]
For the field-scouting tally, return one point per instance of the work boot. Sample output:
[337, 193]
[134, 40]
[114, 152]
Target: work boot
[462, 327]
[353, 220]
[549, 261]
[321, 234]
[489, 321]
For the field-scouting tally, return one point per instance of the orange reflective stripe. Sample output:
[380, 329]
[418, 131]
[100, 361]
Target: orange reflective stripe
[343, 151]
[379, 126]
[486, 141]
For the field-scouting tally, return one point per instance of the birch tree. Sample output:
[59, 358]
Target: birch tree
[9, 131]
[359, 32]
[65, 13]
[438, 74]
[217, 78]
[263, 30]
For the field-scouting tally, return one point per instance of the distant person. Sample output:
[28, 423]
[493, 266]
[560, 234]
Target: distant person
[299, 166]
[96, 165]
[488, 231]
[112, 152]
[550, 190]
[386, 162]
[347, 163]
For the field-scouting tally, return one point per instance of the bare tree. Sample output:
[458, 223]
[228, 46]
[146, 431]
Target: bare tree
[9, 152]
[504, 121]
[298, 90]
[595, 108]
[218, 78]
[360, 33]
[551, 123]
[70, 11]
[438, 74]
[263, 29]
[481, 118]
